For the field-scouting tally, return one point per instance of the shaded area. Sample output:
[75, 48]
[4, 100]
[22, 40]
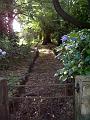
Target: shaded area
[43, 98]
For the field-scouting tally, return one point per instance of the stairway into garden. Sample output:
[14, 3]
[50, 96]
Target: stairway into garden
[45, 67]
[40, 98]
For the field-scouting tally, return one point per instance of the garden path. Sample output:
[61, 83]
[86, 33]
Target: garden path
[45, 67]
[36, 107]
[42, 74]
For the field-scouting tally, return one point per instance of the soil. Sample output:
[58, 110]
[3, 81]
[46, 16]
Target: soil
[43, 98]
[17, 67]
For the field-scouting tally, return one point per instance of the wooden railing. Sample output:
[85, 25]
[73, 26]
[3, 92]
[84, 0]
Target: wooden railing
[4, 100]
[61, 93]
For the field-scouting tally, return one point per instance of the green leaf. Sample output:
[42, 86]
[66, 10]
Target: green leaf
[87, 59]
[88, 51]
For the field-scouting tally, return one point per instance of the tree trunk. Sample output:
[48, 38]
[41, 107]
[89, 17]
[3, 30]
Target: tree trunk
[6, 16]
[67, 17]
[47, 38]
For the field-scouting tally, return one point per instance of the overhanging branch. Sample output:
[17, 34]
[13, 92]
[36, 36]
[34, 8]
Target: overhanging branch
[68, 17]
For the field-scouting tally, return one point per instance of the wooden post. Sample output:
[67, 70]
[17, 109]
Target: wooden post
[4, 109]
[82, 98]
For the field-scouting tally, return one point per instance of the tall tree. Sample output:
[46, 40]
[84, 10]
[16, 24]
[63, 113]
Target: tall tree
[39, 18]
[6, 16]
[40, 12]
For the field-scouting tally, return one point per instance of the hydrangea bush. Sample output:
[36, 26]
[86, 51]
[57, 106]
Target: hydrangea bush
[74, 54]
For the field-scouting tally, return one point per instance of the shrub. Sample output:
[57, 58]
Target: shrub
[74, 54]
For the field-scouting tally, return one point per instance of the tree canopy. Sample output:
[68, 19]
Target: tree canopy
[78, 12]
[39, 20]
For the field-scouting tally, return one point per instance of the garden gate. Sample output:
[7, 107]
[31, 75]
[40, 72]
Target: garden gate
[43, 102]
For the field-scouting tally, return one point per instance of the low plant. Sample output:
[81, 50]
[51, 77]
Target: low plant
[12, 81]
[74, 54]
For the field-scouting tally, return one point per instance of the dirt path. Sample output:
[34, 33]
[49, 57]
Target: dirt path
[44, 68]
[34, 106]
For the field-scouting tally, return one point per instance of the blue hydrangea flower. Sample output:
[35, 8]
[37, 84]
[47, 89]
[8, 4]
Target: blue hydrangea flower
[0, 50]
[3, 53]
[74, 39]
[64, 38]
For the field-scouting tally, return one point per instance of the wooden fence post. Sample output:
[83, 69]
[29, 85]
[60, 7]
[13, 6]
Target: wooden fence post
[82, 98]
[4, 109]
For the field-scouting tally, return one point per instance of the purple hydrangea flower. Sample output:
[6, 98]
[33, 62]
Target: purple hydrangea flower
[0, 52]
[74, 39]
[64, 38]
[3, 53]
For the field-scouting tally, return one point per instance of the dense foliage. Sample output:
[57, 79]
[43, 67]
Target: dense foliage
[77, 8]
[38, 18]
[74, 54]
[39, 23]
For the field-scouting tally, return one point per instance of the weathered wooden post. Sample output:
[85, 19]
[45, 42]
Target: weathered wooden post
[4, 111]
[82, 97]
